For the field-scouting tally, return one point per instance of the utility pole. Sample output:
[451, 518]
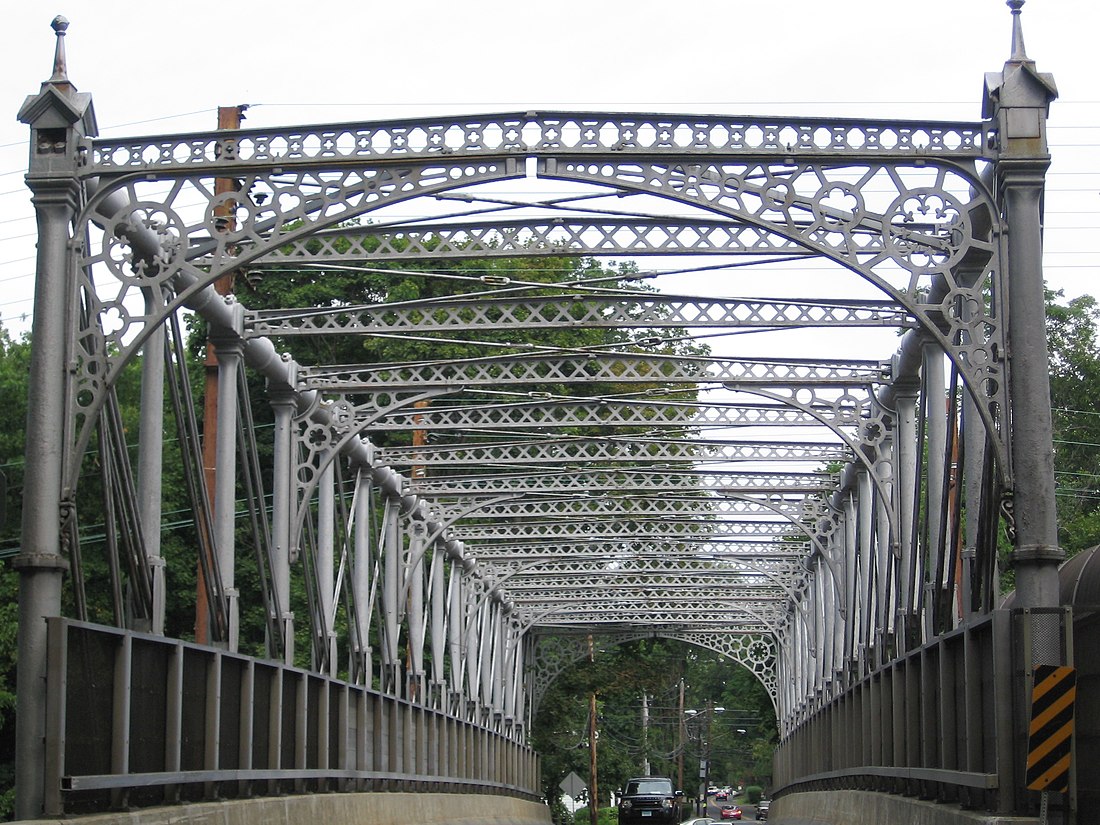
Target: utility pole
[229, 118]
[593, 784]
[680, 749]
[704, 772]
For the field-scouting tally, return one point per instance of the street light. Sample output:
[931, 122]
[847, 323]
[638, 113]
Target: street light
[704, 762]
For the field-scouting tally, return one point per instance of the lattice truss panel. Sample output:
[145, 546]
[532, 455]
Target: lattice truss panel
[554, 652]
[648, 478]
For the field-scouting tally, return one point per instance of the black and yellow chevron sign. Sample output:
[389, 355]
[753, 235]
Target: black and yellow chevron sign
[1051, 731]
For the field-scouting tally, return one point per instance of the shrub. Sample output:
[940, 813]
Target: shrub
[605, 816]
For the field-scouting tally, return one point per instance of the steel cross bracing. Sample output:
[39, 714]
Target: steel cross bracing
[612, 449]
[541, 410]
[578, 310]
[575, 480]
[569, 234]
[714, 552]
[627, 503]
[591, 367]
[640, 569]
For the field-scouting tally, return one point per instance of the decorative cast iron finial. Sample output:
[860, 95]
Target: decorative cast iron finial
[1018, 51]
[60, 24]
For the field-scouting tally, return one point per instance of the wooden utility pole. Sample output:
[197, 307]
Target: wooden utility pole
[680, 749]
[593, 783]
[229, 117]
[594, 791]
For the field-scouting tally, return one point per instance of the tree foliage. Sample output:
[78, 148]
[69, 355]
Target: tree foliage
[676, 734]
[14, 367]
[1074, 387]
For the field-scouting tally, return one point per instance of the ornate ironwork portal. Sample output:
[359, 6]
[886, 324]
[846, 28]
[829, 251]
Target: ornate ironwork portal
[601, 456]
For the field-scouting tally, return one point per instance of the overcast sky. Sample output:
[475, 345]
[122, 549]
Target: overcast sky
[165, 67]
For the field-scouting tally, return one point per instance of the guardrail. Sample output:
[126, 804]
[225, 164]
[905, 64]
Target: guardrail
[136, 719]
[941, 723]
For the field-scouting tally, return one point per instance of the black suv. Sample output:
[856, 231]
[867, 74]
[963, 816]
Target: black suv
[650, 799]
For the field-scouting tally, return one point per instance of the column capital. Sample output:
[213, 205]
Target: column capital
[60, 118]
[1018, 98]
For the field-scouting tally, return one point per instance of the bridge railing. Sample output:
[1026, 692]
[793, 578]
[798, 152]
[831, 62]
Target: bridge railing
[942, 722]
[137, 719]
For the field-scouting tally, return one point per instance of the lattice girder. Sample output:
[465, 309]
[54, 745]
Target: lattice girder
[640, 565]
[579, 480]
[517, 134]
[613, 449]
[579, 310]
[534, 411]
[731, 550]
[755, 615]
[560, 235]
[623, 506]
[603, 367]
[627, 529]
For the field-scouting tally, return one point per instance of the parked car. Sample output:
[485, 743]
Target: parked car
[731, 812]
[762, 808]
[650, 799]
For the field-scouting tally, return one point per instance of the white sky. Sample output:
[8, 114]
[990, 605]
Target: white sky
[165, 67]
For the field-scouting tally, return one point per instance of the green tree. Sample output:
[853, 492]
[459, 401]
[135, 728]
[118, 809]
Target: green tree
[620, 676]
[1074, 388]
[14, 368]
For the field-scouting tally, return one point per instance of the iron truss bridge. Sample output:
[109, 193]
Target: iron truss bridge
[483, 389]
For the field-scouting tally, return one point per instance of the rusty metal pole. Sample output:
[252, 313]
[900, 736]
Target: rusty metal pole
[229, 117]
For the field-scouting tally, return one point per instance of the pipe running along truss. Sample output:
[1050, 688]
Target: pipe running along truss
[791, 433]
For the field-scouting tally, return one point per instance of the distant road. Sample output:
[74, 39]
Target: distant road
[714, 809]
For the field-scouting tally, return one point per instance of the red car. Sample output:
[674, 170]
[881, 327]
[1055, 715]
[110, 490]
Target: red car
[731, 812]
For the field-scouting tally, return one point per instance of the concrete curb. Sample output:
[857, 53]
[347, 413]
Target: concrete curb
[866, 808]
[332, 809]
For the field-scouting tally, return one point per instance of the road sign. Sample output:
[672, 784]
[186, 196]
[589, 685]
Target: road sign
[1050, 735]
[573, 785]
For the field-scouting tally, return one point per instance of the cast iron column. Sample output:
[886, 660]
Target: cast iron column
[59, 118]
[282, 506]
[1019, 98]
